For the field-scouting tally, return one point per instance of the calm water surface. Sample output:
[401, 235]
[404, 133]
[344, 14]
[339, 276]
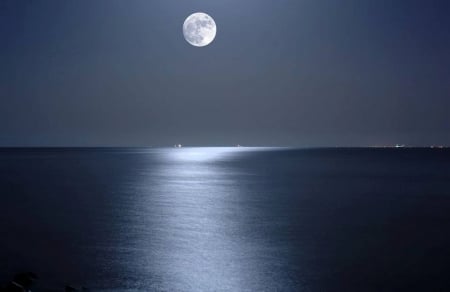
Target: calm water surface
[227, 219]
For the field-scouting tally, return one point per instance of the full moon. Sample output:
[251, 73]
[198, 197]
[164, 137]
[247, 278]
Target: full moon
[199, 29]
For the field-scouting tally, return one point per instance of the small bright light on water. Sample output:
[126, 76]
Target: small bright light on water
[201, 154]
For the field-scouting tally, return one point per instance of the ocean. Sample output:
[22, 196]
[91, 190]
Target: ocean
[227, 219]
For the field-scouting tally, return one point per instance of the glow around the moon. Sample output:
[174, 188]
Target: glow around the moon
[199, 29]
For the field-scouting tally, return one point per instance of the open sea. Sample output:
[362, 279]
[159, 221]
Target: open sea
[227, 219]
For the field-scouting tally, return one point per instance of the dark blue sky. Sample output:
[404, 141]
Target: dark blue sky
[299, 73]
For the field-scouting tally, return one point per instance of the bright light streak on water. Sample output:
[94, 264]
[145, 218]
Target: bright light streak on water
[198, 155]
[200, 245]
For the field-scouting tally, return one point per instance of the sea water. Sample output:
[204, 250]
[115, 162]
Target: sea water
[227, 219]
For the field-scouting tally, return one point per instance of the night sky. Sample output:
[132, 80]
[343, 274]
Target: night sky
[288, 73]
